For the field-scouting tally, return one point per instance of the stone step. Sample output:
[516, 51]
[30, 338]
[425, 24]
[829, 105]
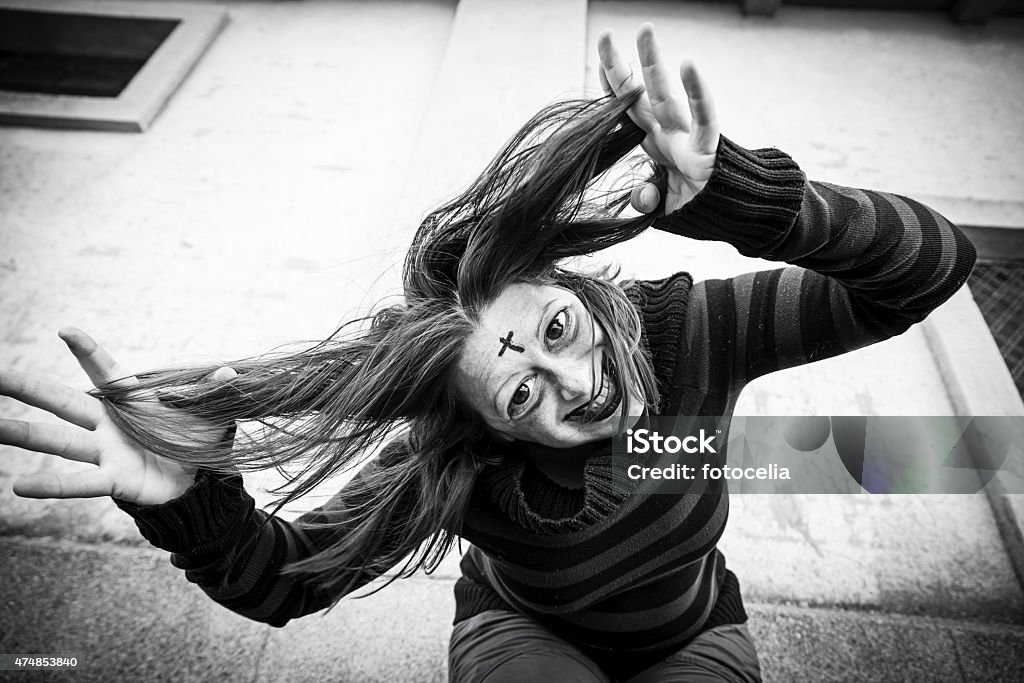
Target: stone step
[126, 614]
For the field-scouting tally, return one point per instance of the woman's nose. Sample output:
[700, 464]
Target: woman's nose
[576, 379]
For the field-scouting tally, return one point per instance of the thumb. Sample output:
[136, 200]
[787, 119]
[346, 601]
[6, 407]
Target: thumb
[645, 198]
[95, 360]
[224, 373]
[211, 385]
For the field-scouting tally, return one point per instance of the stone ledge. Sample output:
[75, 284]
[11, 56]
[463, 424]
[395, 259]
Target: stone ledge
[980, 384]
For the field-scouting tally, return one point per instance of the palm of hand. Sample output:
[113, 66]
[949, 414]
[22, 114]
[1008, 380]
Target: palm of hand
[683, 139]
[123, 469]
[688, 169]
[137, 475]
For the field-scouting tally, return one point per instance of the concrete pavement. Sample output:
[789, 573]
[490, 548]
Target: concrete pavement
[128, 615]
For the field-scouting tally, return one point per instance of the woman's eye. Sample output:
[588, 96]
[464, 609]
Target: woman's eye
[557, 327]
[521, 395]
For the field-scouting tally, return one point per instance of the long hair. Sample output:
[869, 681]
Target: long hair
[389, 377]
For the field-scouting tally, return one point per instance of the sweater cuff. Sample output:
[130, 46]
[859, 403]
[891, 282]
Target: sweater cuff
[208, 517]
[751, 201]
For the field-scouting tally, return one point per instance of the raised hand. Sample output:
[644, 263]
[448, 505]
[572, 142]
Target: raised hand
[123, 470]
[681, 126]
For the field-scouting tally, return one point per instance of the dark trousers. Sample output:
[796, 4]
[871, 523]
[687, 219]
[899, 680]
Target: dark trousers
[499, 646]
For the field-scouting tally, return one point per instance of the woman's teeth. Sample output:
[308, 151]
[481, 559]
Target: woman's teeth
[599, 404]
[596, 403]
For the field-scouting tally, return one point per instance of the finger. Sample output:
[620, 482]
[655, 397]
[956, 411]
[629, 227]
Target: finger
[214, 385]
[605, 86]
[622, 79]
[666, 102]
[617, 72]
[704, 133]
[99, 365]
[89, 484]
[66, 442]
[56, 398]
[645, 198]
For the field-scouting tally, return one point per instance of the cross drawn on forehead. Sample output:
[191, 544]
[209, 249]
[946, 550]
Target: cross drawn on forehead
[506, 343]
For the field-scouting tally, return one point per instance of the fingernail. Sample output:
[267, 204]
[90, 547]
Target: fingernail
[225, 373]
[67, 335]
[649, 197]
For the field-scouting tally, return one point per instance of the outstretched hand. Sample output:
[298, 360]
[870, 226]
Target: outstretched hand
[681, 126]
[123, 470]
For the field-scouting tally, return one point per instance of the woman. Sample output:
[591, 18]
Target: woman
[493, 391]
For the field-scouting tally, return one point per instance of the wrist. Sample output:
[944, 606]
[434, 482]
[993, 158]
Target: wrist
[751, 200]
[177, 486]
[207, 515]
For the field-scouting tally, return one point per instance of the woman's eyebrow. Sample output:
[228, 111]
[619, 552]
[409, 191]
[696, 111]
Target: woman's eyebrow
[539, 334]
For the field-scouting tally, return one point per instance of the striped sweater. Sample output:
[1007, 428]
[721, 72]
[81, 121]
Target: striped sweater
[631, 574]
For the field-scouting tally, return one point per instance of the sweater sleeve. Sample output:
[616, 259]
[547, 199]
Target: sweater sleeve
[235, 552]
[869, 265]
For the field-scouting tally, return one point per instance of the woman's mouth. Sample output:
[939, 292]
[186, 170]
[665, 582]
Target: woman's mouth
[606, 402]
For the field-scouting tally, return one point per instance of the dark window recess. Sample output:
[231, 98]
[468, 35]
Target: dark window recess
[75, 54]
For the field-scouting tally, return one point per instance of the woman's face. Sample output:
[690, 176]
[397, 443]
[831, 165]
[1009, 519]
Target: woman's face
[533, 365]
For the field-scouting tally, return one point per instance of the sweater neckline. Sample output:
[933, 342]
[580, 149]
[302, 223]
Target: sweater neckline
[537, 503]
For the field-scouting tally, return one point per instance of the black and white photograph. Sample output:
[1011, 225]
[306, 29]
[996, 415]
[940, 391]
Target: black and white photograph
[499, 341]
